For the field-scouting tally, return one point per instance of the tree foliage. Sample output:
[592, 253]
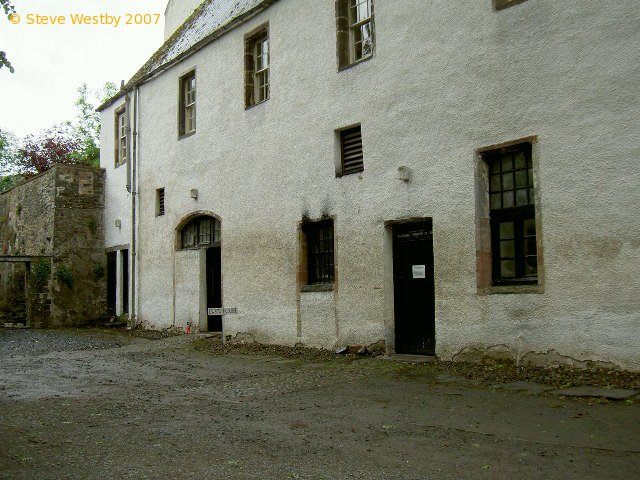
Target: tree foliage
[9, 10]
[8, 152]
[39, 153]
[87, 124]
[68, 143]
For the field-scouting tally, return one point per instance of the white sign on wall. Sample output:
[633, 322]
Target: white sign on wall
[419, 271]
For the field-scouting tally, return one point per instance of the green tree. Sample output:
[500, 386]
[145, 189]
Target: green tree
[9, 175]
[87, 124]
[68, 143]
[8, 11]
[8, 152]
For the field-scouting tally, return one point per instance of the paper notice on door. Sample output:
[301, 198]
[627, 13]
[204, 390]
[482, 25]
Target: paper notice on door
[418, 271]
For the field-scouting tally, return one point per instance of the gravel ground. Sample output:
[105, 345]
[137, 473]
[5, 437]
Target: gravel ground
[110, 404]
[487, 374]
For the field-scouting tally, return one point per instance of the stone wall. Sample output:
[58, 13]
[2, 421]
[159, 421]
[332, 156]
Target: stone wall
[79, 270]
[51, 228]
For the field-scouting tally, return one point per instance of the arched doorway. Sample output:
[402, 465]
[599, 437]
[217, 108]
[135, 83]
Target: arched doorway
[201, 231]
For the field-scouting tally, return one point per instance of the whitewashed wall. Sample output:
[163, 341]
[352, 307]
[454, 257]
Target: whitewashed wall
[446, 78]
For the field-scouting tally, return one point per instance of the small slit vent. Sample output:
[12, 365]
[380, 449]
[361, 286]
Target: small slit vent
[160, 201]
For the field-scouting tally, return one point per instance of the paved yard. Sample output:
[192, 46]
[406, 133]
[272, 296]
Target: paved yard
[106, 406]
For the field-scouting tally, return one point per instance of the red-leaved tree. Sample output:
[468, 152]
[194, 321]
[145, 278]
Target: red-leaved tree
[39, 153]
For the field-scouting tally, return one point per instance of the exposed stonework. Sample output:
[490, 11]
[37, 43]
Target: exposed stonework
[497, 354]
[51, 230]
[552, 357]
[493, 354]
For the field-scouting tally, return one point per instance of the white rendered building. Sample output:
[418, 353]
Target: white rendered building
[454, 178]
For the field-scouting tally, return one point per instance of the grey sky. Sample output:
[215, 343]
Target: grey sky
[52, 61]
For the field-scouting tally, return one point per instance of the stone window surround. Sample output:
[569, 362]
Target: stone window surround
[251, 39]
[344, 40]
[160, 201]
[182, 107]
[483, 228]
[117, 151]
[303, 259]
[339, 155]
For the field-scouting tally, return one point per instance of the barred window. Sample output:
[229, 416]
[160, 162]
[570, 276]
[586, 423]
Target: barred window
[320, 262]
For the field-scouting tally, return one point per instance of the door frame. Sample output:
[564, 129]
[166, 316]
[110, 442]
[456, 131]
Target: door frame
[388, 281]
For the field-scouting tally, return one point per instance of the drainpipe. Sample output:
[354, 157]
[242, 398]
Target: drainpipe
[132, 181]
[127, 119]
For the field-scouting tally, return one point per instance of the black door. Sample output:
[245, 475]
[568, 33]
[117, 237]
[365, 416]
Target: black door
[214, 288]
[413, 288]
[125, 281]
[112, 260]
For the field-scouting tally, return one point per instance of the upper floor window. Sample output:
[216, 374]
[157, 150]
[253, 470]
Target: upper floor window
[354, 23]
[200, 232]
[257, 59]
[120, 155]
[187, 110]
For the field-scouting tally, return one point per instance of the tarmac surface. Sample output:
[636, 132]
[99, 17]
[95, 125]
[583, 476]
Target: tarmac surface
[93, 405]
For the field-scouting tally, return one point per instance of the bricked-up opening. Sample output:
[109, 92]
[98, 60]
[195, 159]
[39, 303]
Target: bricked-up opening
[502, 4]
[160, 201]
[351, 155]
[354, 31]
[317, 249]
[120, 129]
[187, 104]
[257, 58]
[508, 233]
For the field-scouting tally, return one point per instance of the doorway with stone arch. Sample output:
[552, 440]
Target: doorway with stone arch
[199, 235]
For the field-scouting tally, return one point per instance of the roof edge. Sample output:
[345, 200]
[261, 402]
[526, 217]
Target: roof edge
[140, 77]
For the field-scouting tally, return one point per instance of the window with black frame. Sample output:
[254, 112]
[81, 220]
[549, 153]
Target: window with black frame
[512, 215]
[200, 232]
[320, 264]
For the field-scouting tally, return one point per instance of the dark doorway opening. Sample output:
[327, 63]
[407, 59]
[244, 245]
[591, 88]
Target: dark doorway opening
[214, 288]
[125, 280]
[112, 263]
[413, 286]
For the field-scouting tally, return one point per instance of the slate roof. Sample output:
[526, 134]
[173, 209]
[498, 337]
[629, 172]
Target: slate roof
[209, 21]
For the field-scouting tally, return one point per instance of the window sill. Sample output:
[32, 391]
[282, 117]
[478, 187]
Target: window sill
[249, 107]
[502, 4]
[321, 287]
[119, 164]
[356, 173]
[185, 135]
[357, 62]
[511, 289]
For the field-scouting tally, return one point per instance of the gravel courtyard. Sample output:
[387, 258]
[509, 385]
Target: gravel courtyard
[98, 405]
